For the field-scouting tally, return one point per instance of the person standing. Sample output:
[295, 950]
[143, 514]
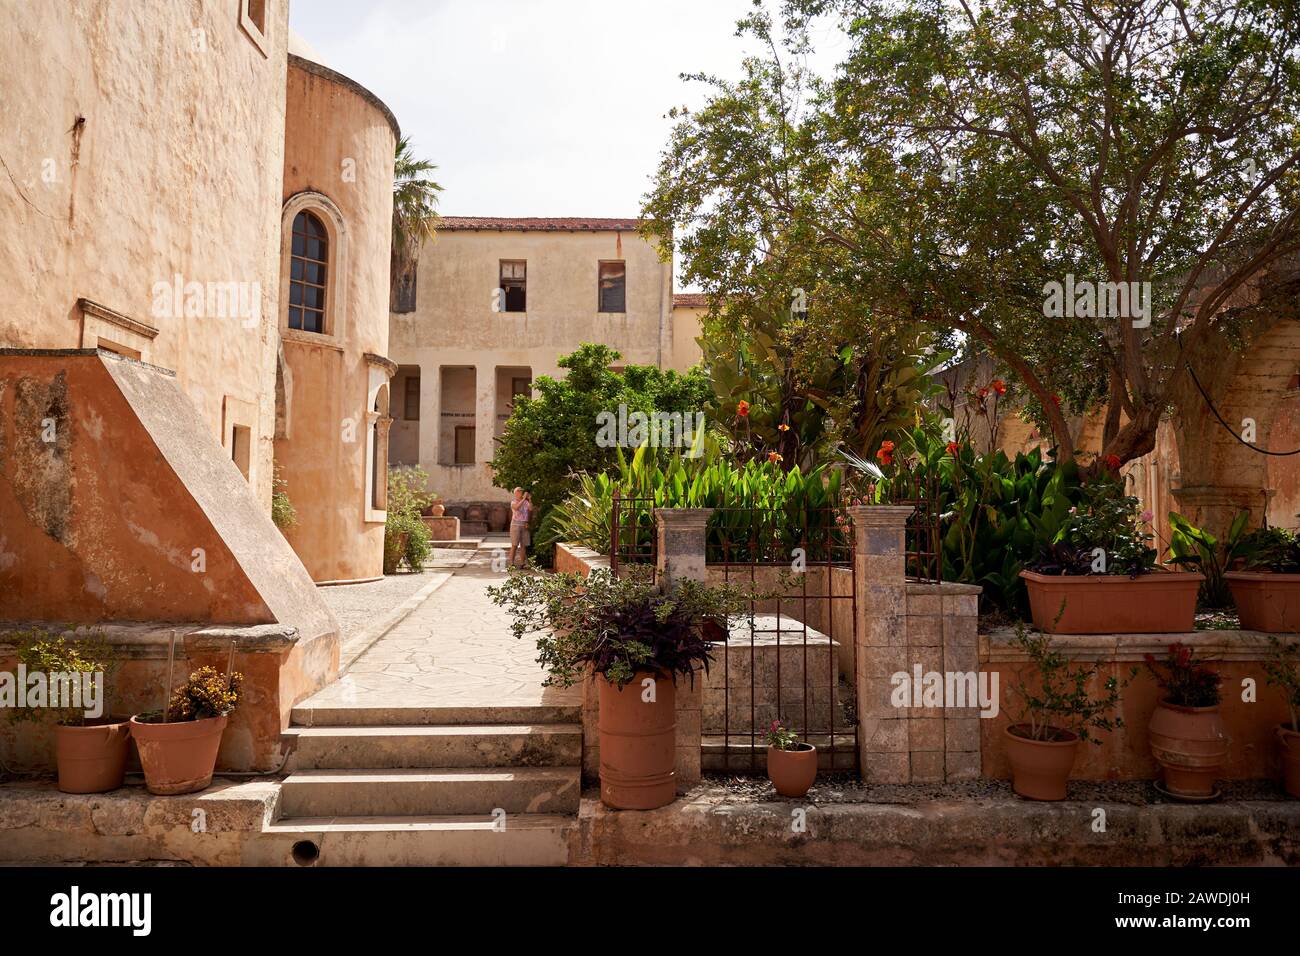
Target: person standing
[521, 507]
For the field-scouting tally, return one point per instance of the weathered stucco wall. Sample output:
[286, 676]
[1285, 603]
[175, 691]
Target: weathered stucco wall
[339, 146]
[143, 142]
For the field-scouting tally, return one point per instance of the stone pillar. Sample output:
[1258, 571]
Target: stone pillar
[1213, 507]
[880, 639]
[485, 417]
[680, 556]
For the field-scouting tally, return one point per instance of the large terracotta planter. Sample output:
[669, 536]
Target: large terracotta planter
[792, 772]
[92, 758]
[638, 744]
[1040, 768]
[1266, 601]
[498, 517]
[1162, 602]
[178, 757]
[1290, 759]
[1191, 746]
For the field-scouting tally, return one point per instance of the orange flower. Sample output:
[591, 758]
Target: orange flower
[774, 458]
[743, 409]
[952, 448]
[983, 393]
[885, 454]
[998, 386]
[783, 427]
[1113, 462]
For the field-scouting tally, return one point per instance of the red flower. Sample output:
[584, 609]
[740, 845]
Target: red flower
[1113, 462]
[885, 454]
[983, 393]
[1056, 399]
[743, 409]
[952, 448]
[774, 458]
[998, 386]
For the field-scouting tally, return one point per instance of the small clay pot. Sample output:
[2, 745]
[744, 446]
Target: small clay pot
[436, 509]
[178, 757]
[1290, 759]
[92, 758]
[792, 772]
[1040, 768]
[1191, 746]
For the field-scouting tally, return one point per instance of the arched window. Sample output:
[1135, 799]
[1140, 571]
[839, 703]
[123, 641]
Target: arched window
[307, 265]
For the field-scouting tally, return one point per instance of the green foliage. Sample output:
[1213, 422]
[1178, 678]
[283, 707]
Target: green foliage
[1059, 699]
[1197, 549]
[805, 396]
[617, 626]
[1108, 520]
[1271, 549]
[415, 207]
[1283, 670]
[408, 496]
[551, 437]
[762, 510]
[996, 513]
[959, 156]
[780, 736]
[283, 512]
[70, 653]
[1185, 681]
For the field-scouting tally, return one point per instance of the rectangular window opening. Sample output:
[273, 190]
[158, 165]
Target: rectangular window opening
[514, 285]
[613, 287]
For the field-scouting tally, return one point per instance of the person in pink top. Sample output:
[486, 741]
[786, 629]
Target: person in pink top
[521, 507]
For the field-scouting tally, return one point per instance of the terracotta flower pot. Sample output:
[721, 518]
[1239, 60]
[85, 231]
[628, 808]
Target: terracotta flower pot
[1191, 746]
[638, 743]
[1290, 759]
[1162, 602]
[498, 516]
[92, 758]
[792, 772]
[178, 757]
[1266, 601]
[1040, 768]
[436, 509]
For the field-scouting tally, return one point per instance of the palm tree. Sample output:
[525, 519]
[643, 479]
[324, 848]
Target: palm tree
[415, 212]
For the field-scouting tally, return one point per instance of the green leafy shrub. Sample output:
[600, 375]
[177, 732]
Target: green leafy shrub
[761, 511]
[996, 514]
[1283, 670]
[69, 653]
[617, 626]
[1271, 549]
[1105, 521]
[1059, 699]
[1198, 550]
[283, 512]
[408, 496]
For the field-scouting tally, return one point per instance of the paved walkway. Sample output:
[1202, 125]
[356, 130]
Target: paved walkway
[454, 650]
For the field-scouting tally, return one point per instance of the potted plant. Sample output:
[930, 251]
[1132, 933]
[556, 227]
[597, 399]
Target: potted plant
[791, 763]
[1057, 712]
[89, 748]
[635, 640]
[1196, 549]
[1283, 670]
[1099, 576]
[1186, 731]
[178, 747]
[1266, 587]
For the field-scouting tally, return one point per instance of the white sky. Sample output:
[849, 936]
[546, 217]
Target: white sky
[530, 107]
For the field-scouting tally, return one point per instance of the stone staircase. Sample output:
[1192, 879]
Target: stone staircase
[427, 786]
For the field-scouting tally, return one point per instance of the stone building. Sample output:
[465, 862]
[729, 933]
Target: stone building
[196, 221]
[495, 302]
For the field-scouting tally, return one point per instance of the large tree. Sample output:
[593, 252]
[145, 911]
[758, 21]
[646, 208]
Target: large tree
[963, 157]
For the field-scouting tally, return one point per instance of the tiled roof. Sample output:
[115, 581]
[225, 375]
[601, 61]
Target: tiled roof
[690, 300]
[539, 223]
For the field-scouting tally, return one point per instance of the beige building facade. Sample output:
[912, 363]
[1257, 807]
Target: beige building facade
[494, 304]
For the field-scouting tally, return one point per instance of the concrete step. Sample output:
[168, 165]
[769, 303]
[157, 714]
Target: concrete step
[527, 839]
[446, 790]
[454, 745]
[361, 715]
